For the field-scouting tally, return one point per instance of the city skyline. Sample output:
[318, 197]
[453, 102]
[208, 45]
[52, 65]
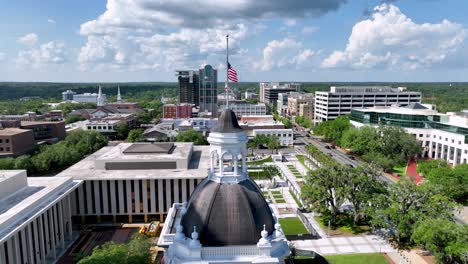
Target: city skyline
[366, 40]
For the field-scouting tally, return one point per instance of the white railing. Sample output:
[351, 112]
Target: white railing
[210, 252]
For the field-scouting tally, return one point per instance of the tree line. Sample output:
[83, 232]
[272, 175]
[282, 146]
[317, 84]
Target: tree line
[387, 146]
[49, 158]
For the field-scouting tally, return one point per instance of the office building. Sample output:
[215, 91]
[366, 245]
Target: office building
[51, 131]
[285, 136]
[68, 95]
[250, 95]
[177, 111]
[136, 182]
[188, 87]
[35, 217]
[443, 136]
[282, 104]
[16, 141]
[339, 100]
[208, 90]
[269, 91]
[307, 111]
[296, 100]
[246, 109]
[226, 219]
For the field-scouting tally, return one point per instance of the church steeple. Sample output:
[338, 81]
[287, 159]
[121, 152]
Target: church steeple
[119, 97]
[100, 98]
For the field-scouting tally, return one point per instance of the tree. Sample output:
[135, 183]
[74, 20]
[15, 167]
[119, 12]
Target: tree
[273, 143]
[260, 140]
[427, 167]
[445, 239]
[333, 129]
[122, 130]
[360, 186]
[135, 135]
[404, 206]
[323, 190]
[452, 182]
[252, 145]
[191, 136]
[144, 118]
[73, 119]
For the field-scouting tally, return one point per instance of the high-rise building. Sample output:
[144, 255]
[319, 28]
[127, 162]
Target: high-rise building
[269, 91]
[295, 100]
[339, 100]
[188, 87]
[208, 90]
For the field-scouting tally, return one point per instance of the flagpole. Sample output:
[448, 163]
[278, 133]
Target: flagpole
[227, 72]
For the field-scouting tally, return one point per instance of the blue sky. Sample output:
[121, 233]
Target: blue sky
[296, 40]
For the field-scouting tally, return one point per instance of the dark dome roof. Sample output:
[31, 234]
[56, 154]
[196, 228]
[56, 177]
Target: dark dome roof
[227, 214]
[227, 123]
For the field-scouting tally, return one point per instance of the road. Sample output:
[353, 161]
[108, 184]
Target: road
[301, 141]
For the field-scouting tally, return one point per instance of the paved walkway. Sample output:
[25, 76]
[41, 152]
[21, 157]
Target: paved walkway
[345, 245]
[412, 170]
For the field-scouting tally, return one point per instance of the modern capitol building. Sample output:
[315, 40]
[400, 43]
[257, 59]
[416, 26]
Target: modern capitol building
[443, 136]
[227, 219]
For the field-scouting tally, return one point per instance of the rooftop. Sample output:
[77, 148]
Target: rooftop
[412, 109]
[31, 196]
[12, 131]
[368, 89]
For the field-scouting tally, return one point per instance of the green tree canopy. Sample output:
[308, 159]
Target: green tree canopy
[135, 135]
[191, 136]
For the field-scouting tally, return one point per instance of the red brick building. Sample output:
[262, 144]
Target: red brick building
[16, 141]
[177, 111]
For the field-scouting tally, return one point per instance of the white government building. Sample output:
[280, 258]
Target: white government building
[339, 100]
[35, 217]
[443, 136]
[227, 219]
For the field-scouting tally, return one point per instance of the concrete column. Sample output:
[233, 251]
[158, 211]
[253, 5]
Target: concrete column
[129, 197]
[168, 195]
[89, 197]
[37, 252]
[144, 189]
[244, 163]
[153, 196]
[160, 196]
[176, 191]
[31, 253]
[69, 219]
[136, 191]
[74, 210]
[184, 190]
[52, 232]
[235, 166]
[121, 197]
[105, 198]
[81, 199]
[97, 199]
[10, 248]
[2, 254]
[47, 232]
[191, 185]
[113, 197]
[221, 166]
[60, 221]
[41, 240]
[17, 248]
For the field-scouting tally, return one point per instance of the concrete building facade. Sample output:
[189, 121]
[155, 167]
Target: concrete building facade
[245, 109]
[339, 100]
[296, 100]
[269, 91]
[16, 141]
[285, 136]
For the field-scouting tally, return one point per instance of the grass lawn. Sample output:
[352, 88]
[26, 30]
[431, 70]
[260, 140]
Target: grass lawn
[278, 196]
[292, 226]
[260, 162]
[302, 159]
[275, 192]
[370, 258]
[345, 226]
[280, 200]
[365, 258]
[259, 175]
[401, 170]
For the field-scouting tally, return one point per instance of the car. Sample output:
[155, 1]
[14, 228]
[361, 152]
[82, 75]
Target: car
[333, 147]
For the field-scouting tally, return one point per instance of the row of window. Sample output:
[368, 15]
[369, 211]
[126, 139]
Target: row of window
[7, 149]
[6, 140]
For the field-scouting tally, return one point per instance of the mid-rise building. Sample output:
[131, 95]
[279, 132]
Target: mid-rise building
[208, 90]
[16, 141]
[136, 182]
[188, 87]
[35, 217]
[443, 136]
[307, 111]
[245, 109]
[68, 95]
[250, 95]
[46, 130]
[282, 104]
[285, 136]
[295, 100]
[269, 91]
[339, 100]
[177, 111]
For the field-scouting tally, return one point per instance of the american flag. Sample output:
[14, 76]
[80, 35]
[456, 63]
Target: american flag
[232, 74]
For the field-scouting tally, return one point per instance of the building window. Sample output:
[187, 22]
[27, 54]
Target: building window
[1, 140]
[1, 149]
[8, 149]
[420, 135]
[453, 140]
[7, 140]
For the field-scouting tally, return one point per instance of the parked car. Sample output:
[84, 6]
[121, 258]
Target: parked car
[333, 147]
[327, 147]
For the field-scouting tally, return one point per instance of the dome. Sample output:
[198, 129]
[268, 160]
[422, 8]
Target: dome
[227, 123]
[227, 214]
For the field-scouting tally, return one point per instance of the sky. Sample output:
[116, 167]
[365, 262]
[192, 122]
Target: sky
[270, 40]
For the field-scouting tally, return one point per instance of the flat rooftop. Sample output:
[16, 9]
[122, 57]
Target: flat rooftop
[147, 151]
[21, 205]
[12, 131]
[86, 169]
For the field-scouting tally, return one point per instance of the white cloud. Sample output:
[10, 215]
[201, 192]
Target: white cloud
[389, 39]
[148, 34]
[29, 39]
[50, 53]
[309, 30]
[290, 22]
[284, 53]
[50, 20]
